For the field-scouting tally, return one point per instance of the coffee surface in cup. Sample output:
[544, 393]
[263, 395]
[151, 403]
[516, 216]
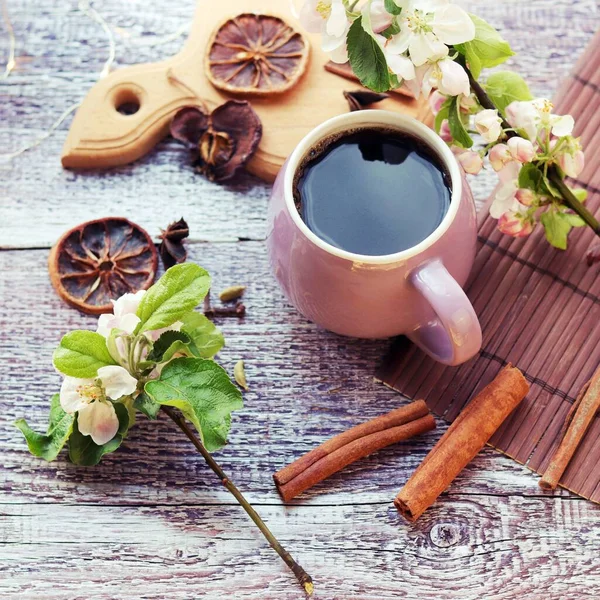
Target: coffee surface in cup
[372, 191]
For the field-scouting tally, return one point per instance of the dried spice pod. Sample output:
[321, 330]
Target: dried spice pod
[222, 141]
[171, 249]
[256, 54]
[100, 260]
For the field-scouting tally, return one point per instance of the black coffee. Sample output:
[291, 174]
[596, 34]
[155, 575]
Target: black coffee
[372, 191]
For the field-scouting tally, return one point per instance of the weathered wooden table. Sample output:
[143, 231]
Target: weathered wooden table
[152, 521]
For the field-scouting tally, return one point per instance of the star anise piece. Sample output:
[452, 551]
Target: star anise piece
[101, 260]
[256, 54]
[222, 141]
[171, 248]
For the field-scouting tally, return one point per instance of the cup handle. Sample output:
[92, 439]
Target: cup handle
[453, 335]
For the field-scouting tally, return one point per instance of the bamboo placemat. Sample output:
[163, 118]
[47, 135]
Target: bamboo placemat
[539, 309]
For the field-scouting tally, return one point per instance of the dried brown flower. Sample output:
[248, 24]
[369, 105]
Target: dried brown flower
[223, 141]
[171, 249]
[256, 54]
[359, 99]
[101, 260]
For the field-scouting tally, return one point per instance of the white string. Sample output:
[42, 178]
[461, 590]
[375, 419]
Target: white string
[85, 7]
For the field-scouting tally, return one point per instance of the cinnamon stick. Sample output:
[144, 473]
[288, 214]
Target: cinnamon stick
[467, 435]
[346, 448]
[578, 422]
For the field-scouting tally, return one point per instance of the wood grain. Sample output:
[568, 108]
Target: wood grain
[150, 522]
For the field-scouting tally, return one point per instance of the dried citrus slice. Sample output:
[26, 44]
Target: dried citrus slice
[256, 54]
[98, 261]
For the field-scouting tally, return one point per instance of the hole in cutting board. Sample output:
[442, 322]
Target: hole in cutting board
[127, 102]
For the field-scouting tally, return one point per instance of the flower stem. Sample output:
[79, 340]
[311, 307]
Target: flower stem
[569, 199]
[303, 577]
[572, 202]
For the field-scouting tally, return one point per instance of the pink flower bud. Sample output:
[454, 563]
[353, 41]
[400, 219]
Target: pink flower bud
[435, 101]
[470, 161]
[521, 149]
[525, 197]
[488, 124]
[381, 19]
[499, 157]
[572, 163]
[510, 224]
[445, 132]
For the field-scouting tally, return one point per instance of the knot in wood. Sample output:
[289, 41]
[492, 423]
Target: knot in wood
[445, 535]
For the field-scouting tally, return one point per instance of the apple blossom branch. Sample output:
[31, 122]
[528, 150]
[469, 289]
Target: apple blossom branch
[438, 47]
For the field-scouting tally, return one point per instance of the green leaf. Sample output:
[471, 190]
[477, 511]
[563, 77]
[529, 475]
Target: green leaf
[504, 87]
[367, 59]
[203, 392]
[392, 7]
[442, 114]
[572, 219]
[163, 345]
[531, 178]
[81, 354]
[60, 427]
[207, 338]
[457, 129]
[487, 49]
[580, 194]
[178, 291]
[84, 451]
[393, 29]
[146, 405]
[556, 227]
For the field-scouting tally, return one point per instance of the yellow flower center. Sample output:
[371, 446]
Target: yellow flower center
[417, 22]
[90, 392]
[324, 9]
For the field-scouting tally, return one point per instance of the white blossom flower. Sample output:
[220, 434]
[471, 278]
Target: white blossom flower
[329, 18]
[535, 117]
[489, 124]
[123, 318]
[520, 149]
[446, 75]
[505, 199]
[427, 27]
[89, 398]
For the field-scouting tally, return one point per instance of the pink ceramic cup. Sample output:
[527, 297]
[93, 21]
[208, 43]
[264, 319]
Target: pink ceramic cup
[416, 292]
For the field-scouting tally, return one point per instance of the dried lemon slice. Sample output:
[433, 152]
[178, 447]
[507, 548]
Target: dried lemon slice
[99, 261]
[256, 55]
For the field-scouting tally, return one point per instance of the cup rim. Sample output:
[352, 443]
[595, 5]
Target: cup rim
[366, 118]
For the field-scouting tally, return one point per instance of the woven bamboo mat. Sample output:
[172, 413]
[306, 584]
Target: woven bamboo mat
[539, 309]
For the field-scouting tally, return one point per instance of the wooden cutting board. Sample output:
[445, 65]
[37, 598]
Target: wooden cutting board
[100, 136]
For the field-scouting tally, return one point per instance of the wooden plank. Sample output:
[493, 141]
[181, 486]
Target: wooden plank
[465, 548]
[296, 400]
[60, 53]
